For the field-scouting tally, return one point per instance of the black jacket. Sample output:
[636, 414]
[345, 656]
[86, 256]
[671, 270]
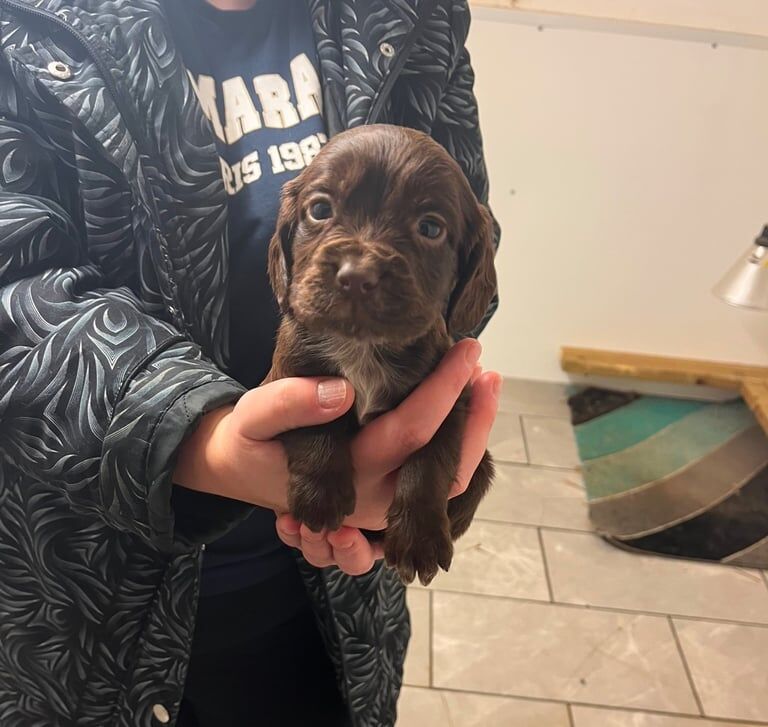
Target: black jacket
[113, 343]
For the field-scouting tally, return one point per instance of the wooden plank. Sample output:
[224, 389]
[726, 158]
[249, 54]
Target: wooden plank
[755, 393]
[659, 368]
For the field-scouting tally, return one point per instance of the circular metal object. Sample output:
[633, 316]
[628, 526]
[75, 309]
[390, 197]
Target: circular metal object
[60, 70]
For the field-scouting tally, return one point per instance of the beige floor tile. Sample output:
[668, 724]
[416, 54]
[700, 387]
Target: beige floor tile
[586, 570]
[436, 708]
[416, 671]
[506, 442]
[550, 442]
[500, 646]
[522, 494]
[497, 559]
[596, 717]
[534, 397]
[729, 666]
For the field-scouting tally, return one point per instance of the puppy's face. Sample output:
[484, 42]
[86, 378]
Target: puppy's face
[380, 238]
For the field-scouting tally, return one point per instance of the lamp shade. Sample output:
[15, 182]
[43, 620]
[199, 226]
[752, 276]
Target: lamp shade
[746, 283]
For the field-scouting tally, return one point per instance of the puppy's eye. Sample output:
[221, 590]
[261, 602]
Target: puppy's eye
[430, 228]
[320, 211]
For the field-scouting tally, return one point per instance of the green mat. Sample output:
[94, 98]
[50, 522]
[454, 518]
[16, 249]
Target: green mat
[674, 476]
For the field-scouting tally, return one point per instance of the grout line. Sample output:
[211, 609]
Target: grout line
[600, 609]
[688, 673]
[525, 438]
[554, 528]
[570, 715]
[594, 705]
[523, 413]
[536, 465]
[431, 632]
[546, 565]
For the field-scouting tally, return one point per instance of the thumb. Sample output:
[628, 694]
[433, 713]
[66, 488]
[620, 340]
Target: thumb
[286, 404]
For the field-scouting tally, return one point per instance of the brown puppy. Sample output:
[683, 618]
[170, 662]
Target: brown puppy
[381, 258]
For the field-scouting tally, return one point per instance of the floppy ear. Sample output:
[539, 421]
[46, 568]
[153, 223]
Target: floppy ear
[280, 257]
[476, 276]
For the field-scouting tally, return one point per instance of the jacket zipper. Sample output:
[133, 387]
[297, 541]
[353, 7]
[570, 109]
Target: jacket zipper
[400, 61]
[93, 51]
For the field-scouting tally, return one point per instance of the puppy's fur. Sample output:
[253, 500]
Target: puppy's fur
[369, 207]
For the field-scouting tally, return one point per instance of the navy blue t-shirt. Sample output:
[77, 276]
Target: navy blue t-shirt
[255, 73]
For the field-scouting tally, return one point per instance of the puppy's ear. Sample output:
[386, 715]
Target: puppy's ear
[476, 276]
[280, 258]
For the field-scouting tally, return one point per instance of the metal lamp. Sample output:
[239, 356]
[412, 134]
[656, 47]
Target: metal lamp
[746, 283]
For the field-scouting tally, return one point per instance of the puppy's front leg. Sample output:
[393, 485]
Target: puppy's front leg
[321, 490]
[418, 537]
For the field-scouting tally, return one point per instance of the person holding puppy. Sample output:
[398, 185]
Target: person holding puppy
[143, 144]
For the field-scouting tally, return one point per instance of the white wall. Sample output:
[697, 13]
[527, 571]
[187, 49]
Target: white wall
[741, 16]
[627, 173]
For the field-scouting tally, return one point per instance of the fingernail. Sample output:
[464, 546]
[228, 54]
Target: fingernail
[497, 381]
[331, 393]
[473, 353]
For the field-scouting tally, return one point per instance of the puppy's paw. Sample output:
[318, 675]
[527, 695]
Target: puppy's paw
[417, 551]
[321, 506]
[462, 509]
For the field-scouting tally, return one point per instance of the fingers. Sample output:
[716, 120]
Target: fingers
[352, 551]
[315, 547]
[386, 442]
[346, 548]
[288, 530]
[482, 411]
[286, 404]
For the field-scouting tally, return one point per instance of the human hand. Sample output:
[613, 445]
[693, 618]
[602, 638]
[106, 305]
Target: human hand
[234, 453]
[382, 446]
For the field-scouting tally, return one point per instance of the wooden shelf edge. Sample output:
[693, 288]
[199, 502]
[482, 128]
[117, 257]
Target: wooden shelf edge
[755, 393]
[750, 381]
[719, 374]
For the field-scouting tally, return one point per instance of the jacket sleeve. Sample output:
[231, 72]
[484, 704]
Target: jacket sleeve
[457, 125]
[95, 394]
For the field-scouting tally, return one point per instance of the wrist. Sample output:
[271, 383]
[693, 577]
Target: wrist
[198, 459]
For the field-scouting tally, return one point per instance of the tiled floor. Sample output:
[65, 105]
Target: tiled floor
[541, 624]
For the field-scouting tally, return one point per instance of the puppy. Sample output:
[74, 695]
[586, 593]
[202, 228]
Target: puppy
[381, 258]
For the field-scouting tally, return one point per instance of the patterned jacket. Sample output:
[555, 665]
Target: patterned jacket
[113, 343]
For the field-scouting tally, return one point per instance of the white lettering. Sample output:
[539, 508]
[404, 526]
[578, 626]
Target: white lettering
[240, 114]
[275, 97]
[291, 155]
[251, 167]
[277, 162]
[310, 147]
[306, 84]
[228, 177]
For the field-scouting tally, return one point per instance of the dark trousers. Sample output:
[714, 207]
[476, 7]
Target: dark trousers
[241, 675]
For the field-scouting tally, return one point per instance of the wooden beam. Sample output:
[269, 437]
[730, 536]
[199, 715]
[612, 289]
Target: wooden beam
[721, 375]
[755, 393]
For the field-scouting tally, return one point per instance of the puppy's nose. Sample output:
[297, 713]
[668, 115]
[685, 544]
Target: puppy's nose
[356, 279]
